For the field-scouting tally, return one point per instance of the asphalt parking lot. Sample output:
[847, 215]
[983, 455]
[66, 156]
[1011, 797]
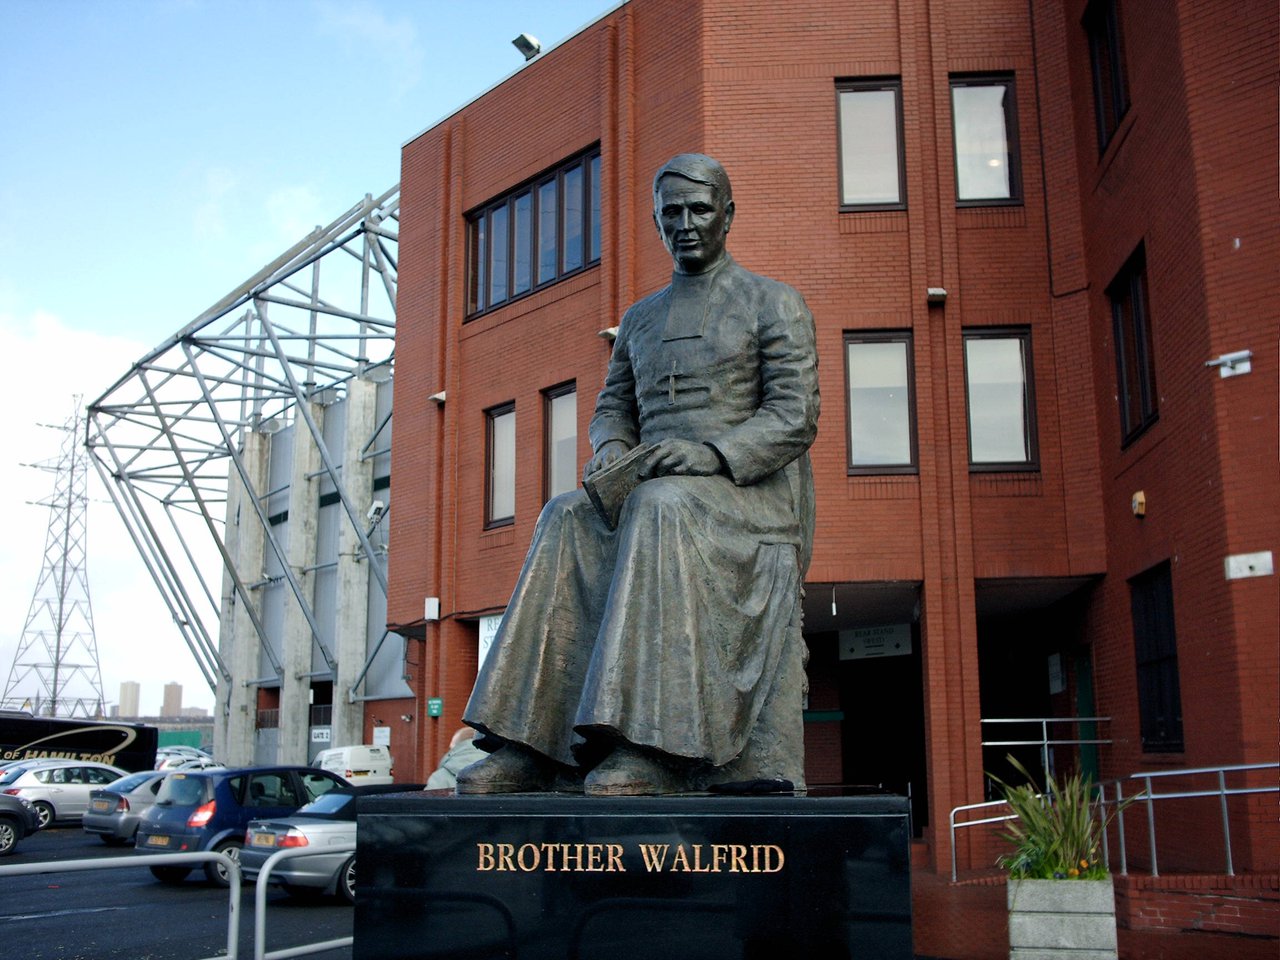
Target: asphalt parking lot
[125, 913]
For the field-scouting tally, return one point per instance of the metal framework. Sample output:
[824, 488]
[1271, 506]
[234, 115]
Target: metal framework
[55, 669]
[166, 437]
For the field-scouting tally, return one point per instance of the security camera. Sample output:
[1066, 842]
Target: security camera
[376, 510]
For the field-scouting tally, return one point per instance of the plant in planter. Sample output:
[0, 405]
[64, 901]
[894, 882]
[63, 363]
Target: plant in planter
[1060, 895]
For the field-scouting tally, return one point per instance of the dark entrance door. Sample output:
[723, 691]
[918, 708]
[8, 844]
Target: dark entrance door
[883, 732]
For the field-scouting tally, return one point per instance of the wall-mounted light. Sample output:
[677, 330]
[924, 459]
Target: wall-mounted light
[608, 333]
[407, 717]
[935, 295]
[528, 45]
[437, 398]
[1232, 364]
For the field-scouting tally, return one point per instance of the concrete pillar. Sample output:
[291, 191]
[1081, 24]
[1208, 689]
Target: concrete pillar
[297, 643]
[238, 641]
[352, 620]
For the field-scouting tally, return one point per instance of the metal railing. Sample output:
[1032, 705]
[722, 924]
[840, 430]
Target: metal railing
[260, 906]
[151, 860]
[1149, 796]
[1044, 742]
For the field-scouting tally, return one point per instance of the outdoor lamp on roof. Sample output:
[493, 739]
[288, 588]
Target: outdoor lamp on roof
[527, 45]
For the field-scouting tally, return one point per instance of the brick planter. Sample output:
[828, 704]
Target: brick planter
[1062, 918]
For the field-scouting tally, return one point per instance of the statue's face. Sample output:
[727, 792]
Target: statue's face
[693, 222]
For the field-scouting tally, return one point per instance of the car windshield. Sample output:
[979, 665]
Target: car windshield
[328, 803]
[182, 791]
[125, 784]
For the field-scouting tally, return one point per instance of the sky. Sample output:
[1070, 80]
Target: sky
[154, 154]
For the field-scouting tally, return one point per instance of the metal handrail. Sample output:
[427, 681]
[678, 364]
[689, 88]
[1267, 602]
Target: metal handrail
[973, 823]
[260, 906]
[1044, 743]
[1150, 796]
[151, 860]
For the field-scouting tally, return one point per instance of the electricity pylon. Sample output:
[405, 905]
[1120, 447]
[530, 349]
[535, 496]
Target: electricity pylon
[55, 670]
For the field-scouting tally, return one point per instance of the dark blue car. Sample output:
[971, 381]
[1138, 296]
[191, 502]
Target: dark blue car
[209, 810]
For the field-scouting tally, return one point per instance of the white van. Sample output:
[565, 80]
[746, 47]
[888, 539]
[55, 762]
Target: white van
[358, 765]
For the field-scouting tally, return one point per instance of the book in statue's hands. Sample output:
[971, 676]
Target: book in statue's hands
[608, 488]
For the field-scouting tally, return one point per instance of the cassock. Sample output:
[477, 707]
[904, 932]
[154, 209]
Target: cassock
[671, 632]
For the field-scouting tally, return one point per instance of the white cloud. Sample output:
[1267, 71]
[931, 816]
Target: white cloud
[293, 212]
[210, 215]
[391, 50]
[49, 363]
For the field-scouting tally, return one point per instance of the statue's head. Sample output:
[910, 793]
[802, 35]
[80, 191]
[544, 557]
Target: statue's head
[693, 210]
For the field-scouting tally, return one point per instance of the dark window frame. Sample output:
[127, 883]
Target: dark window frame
[1155, 650]
[1131, 333]
[548, 395]
[1013, 139]
[1101, 23]
[1030, 425]
[871, 85]
[479, 229]
[904, 336]
[492, 414]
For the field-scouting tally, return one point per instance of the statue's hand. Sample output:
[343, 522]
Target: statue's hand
[609, 451]
[686, 458]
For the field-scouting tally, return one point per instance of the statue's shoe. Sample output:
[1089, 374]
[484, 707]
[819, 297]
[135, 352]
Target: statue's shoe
[509, 769]
[630, 773]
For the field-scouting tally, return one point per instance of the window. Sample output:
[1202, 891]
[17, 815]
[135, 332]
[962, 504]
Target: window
[316, 783]
[882, 436]
[984, 122]
[1001, 399]
[500, 488]
[1156, 648]
[1106, 56]
[560, 416]
[535, 235]
[870, 123]
[1135, 355]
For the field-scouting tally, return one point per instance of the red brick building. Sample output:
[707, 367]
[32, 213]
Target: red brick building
[1023, 229]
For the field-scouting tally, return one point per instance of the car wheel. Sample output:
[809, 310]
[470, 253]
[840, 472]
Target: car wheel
[347, 880]
[44, 813]
[9, 835]
[170, 874]
[217, 872]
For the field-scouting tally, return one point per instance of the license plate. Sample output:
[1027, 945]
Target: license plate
[155, 840]
[263, 840]
[102, 805]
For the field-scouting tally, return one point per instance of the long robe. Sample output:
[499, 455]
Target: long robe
[668, 633]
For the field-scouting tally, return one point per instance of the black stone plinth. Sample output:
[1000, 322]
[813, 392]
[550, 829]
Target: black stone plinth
[560, 877]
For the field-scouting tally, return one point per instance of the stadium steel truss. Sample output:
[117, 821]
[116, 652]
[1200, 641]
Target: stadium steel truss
[168, 437]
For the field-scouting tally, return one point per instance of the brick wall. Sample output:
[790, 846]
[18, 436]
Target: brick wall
[754, 85]
[1247, 906]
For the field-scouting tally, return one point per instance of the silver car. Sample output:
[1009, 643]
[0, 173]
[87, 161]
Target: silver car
[325, 822]
[60, 790]
[114, 810]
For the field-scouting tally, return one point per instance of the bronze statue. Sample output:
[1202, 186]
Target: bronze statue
[665, 655]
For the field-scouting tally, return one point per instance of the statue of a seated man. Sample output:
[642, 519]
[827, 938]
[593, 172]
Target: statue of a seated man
[666, 655]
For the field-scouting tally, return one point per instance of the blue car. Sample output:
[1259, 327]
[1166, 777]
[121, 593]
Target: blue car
[209, 810]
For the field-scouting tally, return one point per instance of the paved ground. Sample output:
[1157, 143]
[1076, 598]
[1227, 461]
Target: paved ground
[125, 914]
